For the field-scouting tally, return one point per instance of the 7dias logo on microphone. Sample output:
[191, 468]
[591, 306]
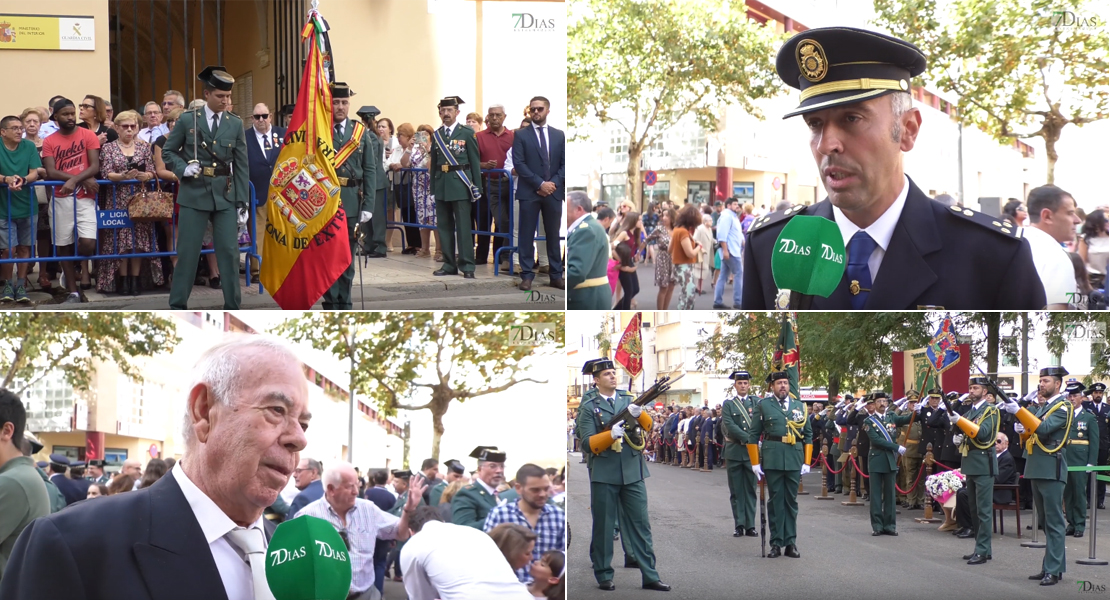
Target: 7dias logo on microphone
[308, 561]
[808, 257]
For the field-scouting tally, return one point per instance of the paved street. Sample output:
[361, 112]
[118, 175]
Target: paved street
[696, 554]
[645, 300]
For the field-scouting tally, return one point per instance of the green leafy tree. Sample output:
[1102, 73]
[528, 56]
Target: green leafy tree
[1062, 329]
[647, 65]
[1021, 68]
[32, 344]
[439, 357]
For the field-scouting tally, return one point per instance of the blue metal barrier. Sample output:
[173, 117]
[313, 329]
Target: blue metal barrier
[493, 177]
[110, 218]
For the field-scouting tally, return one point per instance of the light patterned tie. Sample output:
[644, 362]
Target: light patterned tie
[253, 544]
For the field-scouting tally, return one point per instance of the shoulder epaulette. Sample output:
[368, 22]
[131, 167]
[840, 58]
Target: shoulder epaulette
[776, 217]
[1002, 225]
[234, 115]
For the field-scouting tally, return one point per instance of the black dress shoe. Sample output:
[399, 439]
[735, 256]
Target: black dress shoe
[1069, 531]
[965, 533]
[1050, 579]
[525, 285]
[738, 532]
[631, 564]
[1078, 534]
[214, 282]
[1038, 576]
[468, 275]
[977, 559]
[441, 273]
[607, 586]
[792, 551]
[376, 255]
[894, 533]
[876, 533]
[751, 532]
[658, 586]
[775, 552]
[1102, 505]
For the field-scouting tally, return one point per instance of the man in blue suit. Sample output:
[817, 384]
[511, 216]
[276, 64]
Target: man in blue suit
[539, 162]
[307, 476]
[264, 143]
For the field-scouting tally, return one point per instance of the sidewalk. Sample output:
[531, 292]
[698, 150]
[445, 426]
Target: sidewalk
[396, 281]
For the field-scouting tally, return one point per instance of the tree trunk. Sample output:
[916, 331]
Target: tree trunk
[834, 387]
[437, 429]
[993, 320]
[634, 152]
[1050, 153]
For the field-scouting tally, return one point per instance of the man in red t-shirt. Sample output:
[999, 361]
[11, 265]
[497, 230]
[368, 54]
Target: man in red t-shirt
[72, 155]
[494, 143]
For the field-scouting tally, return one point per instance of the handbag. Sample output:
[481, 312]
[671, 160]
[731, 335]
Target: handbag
[148, 206]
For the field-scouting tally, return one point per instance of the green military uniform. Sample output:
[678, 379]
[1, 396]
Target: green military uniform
[437, 492]
[911, 463]
[213, 195]
[1082, 449]
[452, 196]
[785, 432]
[57, 499]
[587, 261]
[740, 430]
[1046, 468]
[979, 464]
[882, 467]
[357, 177]
[617, 476]
[471, 505]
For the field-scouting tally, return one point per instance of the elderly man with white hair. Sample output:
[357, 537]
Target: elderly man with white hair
[360, 523]
[495, 143]
[198, 533]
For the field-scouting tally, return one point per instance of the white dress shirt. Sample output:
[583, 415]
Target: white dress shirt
[366, 524]
[1053, 265]
[881, 230]
[261, 137]
[456, 562]
[234, 569]
[151, 134]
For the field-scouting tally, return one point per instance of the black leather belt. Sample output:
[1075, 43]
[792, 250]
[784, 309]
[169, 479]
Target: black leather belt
[449, 168]
[223, 171]
[349, 182]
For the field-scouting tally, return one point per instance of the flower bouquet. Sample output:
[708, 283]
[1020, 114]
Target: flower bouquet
[943, 486]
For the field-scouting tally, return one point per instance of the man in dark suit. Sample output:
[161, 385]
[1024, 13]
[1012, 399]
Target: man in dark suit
[77, 478]
[58, 465]
[153, 544]
[1007, 475]
[264, 143]
[903, 250]
[693, 430]
[311, 488]
[1101, 410]
[539, 162]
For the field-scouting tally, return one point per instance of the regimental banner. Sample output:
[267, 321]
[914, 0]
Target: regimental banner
[630, 350]
[46, 32]
[306, 245]
[787, 356]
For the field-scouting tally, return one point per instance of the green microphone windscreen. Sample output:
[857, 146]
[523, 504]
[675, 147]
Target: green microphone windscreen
[809, 256]
[307, 560]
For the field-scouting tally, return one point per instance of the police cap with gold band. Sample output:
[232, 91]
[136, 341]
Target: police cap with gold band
[843, 65]
[217, 77]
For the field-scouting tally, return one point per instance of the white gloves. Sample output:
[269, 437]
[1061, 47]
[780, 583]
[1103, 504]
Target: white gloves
[860, 405]
[1019, 428]
[364, 217]
[243, 218]
[805, 468]
[192, 169]
[917, 408]
[618, 431]
[1011, 406]
[901, 449]
[958, 439]
[634, 410]
[758, 470]
[954, 418]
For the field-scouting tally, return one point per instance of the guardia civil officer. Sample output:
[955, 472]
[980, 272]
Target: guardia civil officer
[904, 251]
[980, 462]
[1044, 438]
[740, 430]
[1082, 450]
[207, 150]
[880, 426]
[617, 472]
[456, 182]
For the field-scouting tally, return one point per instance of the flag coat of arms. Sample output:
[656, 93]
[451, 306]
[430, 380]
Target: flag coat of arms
[305, 246]
[943, 349]
[630, 350]
[787, 355]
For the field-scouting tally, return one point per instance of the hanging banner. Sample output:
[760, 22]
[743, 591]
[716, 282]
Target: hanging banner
[45, 32]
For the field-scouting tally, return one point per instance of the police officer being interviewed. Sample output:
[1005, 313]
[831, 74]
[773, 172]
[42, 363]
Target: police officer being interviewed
[356, 166]
[207, 150]
[617, 472]
[740, 430]
[1044, 439]
[904, 251]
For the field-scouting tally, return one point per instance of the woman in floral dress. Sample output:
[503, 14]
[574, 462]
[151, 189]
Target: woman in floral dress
[421, 189]
[664, 270]
[124, 159]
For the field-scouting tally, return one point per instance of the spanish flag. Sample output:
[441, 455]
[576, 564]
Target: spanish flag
[306, 244]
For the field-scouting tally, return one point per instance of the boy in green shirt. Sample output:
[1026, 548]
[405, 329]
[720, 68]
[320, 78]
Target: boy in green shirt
[19, 164]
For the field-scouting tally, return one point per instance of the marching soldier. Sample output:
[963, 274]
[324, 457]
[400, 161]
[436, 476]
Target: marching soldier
[880, 427]
[739, 432]
[980, 463]
[787, 449]
[1082, 449]
[617, 472]
[472, 503]
[356, 167]
[1045, 435]
[208, 153]
[456, 175]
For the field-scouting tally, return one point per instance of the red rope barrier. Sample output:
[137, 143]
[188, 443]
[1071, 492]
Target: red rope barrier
[945, 467]
[831, 470]
[920, 471]
[853, 461]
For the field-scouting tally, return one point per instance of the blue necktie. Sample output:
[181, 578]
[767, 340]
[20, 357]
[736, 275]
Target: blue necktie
[860, 248]
[544, 158]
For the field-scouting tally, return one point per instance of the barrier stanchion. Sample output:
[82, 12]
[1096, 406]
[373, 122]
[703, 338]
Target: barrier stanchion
[1033, 543]
[853, 496]
[928, 516]
[824, 474]
[1091, 506]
